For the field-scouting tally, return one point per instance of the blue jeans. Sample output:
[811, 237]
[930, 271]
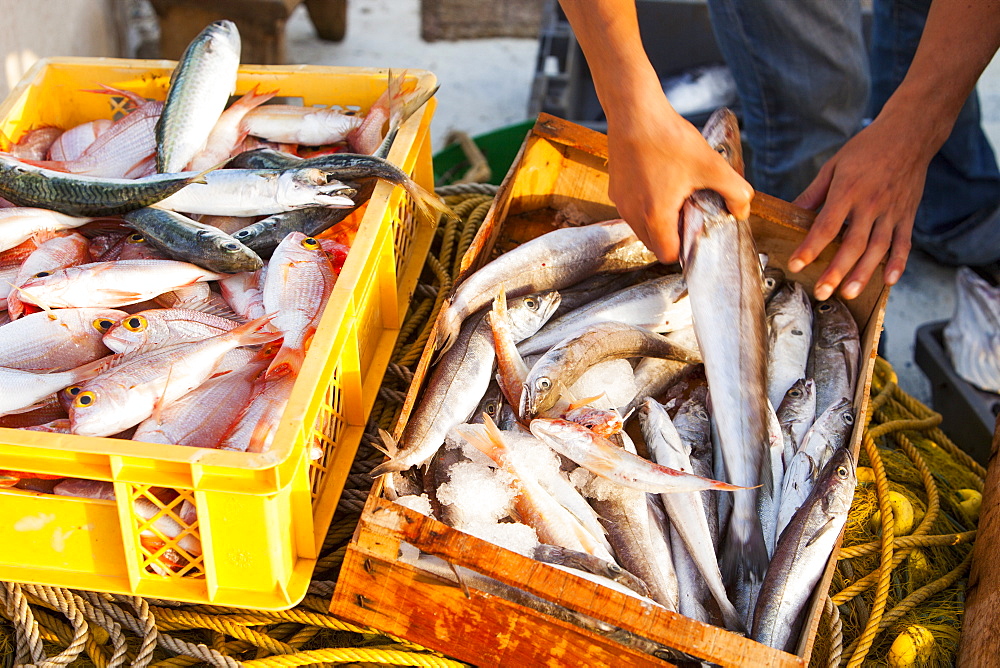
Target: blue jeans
[806, 86]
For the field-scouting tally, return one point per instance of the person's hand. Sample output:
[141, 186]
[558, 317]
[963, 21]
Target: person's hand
[873, 184]
[656, 160]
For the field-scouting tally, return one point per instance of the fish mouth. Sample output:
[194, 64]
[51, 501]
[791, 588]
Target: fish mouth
[335, 200]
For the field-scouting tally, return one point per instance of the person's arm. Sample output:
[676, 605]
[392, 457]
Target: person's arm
[656, 159]
[876, 180]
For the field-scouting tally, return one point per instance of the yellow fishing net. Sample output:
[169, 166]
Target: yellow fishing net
[908, 540]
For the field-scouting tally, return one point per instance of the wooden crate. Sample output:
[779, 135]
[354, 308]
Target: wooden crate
[560, 164]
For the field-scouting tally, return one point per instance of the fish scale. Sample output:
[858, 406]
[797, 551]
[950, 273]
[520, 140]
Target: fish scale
[73, 195]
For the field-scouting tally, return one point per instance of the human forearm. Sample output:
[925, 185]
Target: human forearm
[959, 39]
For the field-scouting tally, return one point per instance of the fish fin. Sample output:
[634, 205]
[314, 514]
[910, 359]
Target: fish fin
[573, 405]
[54, 165]
[484, 437]
[448, 327]
[134, 98]
[388, 446]
[829, 526]
[200, 176]
[210, 308]
[429, 206]
[752, 553]
[34, 300]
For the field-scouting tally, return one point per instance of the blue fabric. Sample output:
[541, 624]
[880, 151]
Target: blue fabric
[806, 86]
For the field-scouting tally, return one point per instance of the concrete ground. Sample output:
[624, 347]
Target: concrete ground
[486, 84]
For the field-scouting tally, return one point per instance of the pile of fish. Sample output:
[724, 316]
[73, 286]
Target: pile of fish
[723, 497]
[972, 336]
[150, 295]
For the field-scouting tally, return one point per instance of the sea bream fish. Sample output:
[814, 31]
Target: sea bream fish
[722, 270]
[548, 262]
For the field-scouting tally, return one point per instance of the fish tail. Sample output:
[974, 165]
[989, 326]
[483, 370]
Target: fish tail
[484, 437]
[744, 548]
[406, 97]
[288, 360]
[134, 98]
[429, 206]
[252, 99]
[449, 325]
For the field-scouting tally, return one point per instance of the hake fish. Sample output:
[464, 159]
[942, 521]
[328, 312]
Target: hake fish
[658, 304]
[548, 262]
[459, 381]
[687, 514]
[722, 270]
[789, 326]
[801, 555]
[563, 364]
[252, 192]
[835, 360]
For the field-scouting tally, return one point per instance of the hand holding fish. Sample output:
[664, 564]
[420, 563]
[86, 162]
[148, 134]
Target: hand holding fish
[656, 161]
[656, 158]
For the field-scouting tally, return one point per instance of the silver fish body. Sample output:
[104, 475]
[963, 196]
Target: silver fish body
[564, 363]
[789, 326]
[829, 434]
[802, 554]
[658, 304]
[835, 360]
[252, 192]
[200, 86]
[687, 514]
[548, 262]
[459, 381]
[796, 414]
[722, 270]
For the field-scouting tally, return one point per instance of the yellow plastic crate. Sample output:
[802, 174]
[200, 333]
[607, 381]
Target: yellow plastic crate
[261, 518]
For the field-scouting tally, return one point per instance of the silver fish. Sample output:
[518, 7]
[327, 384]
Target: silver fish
[828, 434]
[693, 426]
[564, 363]
[658, 304]
[687, 514]
[789, 326]
[796, 415]
[802, 554]
[722, 271]
[548, 262]
[835, 360]
[971, 335]
[654, 376]
[460, 379]
[199, 89]
[252, 192]
[625, 514]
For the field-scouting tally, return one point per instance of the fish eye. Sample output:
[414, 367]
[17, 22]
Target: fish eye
[848, 418]
[310, 243]
[823, 308]
[136, 238]
[769, 282]
[531, 303]
[136, 323]
[73, 390]
[241, 233]
[491, 408]
[543, 383]
[842, 471]
[102, 325]
[795, 392]
[84, 399]
[43, 274]
[702, 415]
[230, 246]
